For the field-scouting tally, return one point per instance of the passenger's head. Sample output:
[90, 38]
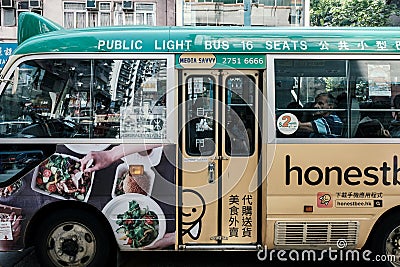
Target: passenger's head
[324, 101]
[371, 128]
[396, 101]
[297, 113]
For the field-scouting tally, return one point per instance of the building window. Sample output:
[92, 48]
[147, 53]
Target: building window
[118, 14]
[77, 16]
[9, 17]
[74, 15]
[145, 14]
[80, 20]
[105, 13]
[93, 18]
[276, 2]
[105, 6]
[105, 18]
[129, 18]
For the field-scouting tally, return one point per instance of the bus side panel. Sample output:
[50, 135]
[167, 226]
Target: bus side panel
[52, 179]
[342, 185]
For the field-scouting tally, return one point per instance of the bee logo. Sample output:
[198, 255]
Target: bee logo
[324, 200]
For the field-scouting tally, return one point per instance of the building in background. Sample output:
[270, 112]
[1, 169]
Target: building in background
[233, 12]
[83, 13]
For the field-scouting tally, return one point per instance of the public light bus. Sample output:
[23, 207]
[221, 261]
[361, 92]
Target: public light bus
[193, 138]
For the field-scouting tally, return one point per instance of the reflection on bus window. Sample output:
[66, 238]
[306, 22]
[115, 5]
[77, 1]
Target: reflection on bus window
[200, 129]
[86, 99]
[364, 90]
[15, 161]
[240, 119]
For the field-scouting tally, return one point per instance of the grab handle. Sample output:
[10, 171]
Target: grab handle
[211, 172]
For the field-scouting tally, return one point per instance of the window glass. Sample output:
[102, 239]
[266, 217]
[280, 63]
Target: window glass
[240, 119]
[80, 19]
[86, 99]
[129, 18]
[74, 6]
[105, 19]
[93, 18]
[68, 20]
[366, 98]
[312, 92]
[9, 17]
[377, 90]
[145, 14]
[200, 128]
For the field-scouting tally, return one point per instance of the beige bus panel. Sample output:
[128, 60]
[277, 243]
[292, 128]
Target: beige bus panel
[342, 182]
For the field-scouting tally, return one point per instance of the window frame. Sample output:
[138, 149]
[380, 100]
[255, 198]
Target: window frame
[75, 14]
[270, 130]
[145, 13]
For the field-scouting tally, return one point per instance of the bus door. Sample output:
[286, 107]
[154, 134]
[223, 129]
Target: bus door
[218, 159]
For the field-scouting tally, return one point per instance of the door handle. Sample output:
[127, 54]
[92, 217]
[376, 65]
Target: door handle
[211, 172]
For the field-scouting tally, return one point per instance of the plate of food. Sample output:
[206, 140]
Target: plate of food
[151, 157]
[133, 179]
[60, 176]
[136, 219]
[8, 192]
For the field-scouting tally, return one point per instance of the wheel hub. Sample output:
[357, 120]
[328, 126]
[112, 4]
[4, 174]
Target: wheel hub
[70, 247]
[393, 245]
[71, 244]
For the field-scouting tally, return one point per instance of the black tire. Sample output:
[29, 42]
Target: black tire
[385, 243]
[73, 237]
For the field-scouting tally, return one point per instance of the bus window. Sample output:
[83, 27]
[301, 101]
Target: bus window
[141, 98]
[86, 98]
[200, 115]
[240, 119]
[29, 111]
[310, 90]
[378, 92]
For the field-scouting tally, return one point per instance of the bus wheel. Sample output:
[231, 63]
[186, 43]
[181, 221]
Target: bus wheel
[385, 243]
[74, 238]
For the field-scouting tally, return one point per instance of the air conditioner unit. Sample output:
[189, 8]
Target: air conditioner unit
[35, 3]
[127, 4]
[90, 4]
[7, 3]
[104, 6]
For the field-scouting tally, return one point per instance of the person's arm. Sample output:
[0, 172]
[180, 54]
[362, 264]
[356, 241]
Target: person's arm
[305, 127]
[103, 159]
[166, 241]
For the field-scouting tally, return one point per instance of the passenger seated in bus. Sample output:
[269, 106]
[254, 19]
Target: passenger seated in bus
[394, 127]
[378, 103]
[371, 128]
[238, 135]
[325, 123]
[307, 115]
[297, 109]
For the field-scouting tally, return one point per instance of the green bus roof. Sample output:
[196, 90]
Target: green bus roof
[37, 34]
